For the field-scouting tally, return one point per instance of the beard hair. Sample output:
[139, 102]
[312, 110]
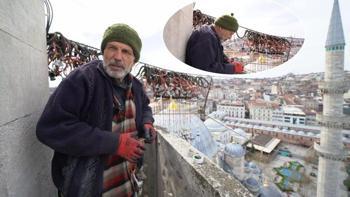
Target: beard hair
[118, 75]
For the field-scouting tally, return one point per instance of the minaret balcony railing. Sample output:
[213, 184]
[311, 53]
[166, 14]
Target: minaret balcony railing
[339, 122]
[337, 47]
[334, 87]
[340, 155]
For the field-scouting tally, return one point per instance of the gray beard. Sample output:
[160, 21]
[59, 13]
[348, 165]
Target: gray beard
[116, 75]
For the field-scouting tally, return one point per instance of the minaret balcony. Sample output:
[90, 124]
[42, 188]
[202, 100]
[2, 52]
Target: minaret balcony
[335, 156]
[339, 122]
[334, 87]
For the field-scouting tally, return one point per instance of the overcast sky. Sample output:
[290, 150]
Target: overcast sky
[85, 21]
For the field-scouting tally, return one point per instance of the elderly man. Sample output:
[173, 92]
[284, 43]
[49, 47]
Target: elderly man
[96, 121]
[204, 50]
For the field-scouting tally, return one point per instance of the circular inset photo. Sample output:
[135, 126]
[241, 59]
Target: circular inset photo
[233, 37]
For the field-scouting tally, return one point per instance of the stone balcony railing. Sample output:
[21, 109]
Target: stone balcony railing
[172, 171]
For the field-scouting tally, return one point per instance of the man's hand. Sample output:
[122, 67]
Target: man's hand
[238, 67]
[150, 133]
[129, 147]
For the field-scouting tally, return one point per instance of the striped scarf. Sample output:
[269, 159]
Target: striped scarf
[117, 173]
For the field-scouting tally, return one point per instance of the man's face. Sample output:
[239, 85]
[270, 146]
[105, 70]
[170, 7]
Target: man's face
[226, 34]
[118, 60]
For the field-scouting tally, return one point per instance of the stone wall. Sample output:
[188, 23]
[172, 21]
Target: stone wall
[177, 31]
[24, 162]
[171, 171]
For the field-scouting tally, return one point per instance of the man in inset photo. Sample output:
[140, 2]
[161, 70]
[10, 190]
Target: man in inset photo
[205, 51]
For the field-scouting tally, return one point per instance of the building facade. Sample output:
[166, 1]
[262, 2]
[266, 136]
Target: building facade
[262, 110]
[232, 109]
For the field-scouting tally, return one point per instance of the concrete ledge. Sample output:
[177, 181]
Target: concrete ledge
[178, 175]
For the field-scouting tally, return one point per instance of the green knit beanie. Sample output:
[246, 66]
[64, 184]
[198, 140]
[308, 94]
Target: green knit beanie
[123, 33]
[227, 22]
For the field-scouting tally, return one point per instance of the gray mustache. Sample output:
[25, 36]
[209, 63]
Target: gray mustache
[116, 62]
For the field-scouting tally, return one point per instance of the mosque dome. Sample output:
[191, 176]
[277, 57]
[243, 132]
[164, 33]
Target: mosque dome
[252, 184]
[214, 126]
[234, 150]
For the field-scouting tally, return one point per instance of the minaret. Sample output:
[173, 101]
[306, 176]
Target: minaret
[331, 148]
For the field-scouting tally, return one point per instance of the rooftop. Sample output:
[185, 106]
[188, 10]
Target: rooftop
[292, 110]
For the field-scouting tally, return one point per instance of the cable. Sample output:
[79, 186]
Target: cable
[49, 15]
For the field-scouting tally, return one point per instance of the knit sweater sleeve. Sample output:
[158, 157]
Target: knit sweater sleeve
[147, 110]
[203, 53]
[62, 127]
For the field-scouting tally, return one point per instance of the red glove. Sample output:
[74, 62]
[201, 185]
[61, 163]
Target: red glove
[129, 147]
[150, 133]
[237, 67]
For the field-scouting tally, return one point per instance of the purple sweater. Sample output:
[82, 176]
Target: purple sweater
[76, 123]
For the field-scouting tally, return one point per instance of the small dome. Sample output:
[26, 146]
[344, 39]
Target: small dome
[246, 164]
[252, 165]
[252, 184]
[256, 171]
[269, 191]
[240, 132]
[251, 181]
[234, 150]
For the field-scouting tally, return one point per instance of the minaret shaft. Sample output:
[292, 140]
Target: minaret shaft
[331, 148]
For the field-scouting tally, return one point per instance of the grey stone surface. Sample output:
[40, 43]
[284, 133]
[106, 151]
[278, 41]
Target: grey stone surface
[177, 31]
[176, 173]
[24, 21]
[23, 72]
[24, 162]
